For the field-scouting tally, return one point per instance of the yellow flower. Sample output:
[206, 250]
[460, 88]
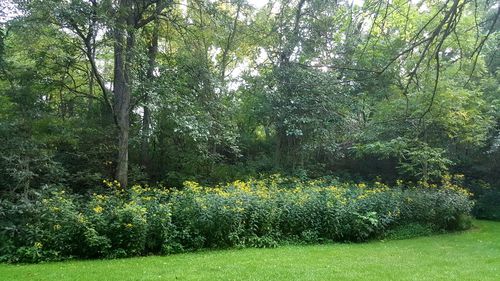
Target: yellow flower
[446, 177]
[239, 209]
[108, 183]
[81, 218]
[129, 225]
[98, 209]
[242, 186]
[38, 245]
[137, 189]
[112, 184]
[193, 186]
[57, 226]
[100, 197]
[362, 196]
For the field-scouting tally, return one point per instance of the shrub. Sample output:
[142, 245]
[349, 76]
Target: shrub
[55, 225]
[40, 226]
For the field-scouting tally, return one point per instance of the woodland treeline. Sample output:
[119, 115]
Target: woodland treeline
[163, 91]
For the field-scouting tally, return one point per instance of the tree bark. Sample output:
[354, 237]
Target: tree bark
[123, 46]
[129, 18]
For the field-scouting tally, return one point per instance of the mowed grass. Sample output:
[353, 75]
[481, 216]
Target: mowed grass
[470, 255]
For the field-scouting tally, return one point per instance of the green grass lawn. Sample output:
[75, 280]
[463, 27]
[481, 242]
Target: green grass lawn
[470, 255]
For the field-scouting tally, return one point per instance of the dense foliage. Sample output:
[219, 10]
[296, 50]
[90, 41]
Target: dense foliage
[222, 90]
[55, 225]
[160, 92]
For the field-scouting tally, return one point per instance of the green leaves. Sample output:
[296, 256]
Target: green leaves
[416, 159]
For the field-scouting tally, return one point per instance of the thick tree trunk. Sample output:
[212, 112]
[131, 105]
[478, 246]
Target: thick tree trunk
[122, 160]
[123, 46]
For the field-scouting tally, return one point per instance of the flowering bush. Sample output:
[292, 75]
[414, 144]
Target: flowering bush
[256, 213]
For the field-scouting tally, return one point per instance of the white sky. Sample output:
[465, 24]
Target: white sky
[257, 3]
[7, 11]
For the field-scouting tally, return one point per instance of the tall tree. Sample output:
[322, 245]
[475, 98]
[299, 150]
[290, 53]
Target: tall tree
[123, 18]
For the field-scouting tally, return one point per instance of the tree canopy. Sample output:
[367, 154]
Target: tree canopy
[163, 91]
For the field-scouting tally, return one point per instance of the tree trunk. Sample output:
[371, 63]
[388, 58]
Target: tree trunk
[146, 126]
[123, 46]
[150, 75]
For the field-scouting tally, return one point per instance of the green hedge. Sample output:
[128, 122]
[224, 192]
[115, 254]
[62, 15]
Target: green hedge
[54, 225]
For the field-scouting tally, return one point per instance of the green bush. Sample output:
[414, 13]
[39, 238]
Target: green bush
[53, 224]
[40, 226]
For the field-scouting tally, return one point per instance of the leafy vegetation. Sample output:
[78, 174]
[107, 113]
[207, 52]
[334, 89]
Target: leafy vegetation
[137, 96]
[55, 225]
[429, 258]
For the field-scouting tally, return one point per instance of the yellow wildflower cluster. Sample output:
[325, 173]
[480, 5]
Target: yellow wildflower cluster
[100, 197]
[112, 184]
[98, 209]
[138, 189]
[193, 186]
[448, 184]
[300, 193]
[242, 186]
